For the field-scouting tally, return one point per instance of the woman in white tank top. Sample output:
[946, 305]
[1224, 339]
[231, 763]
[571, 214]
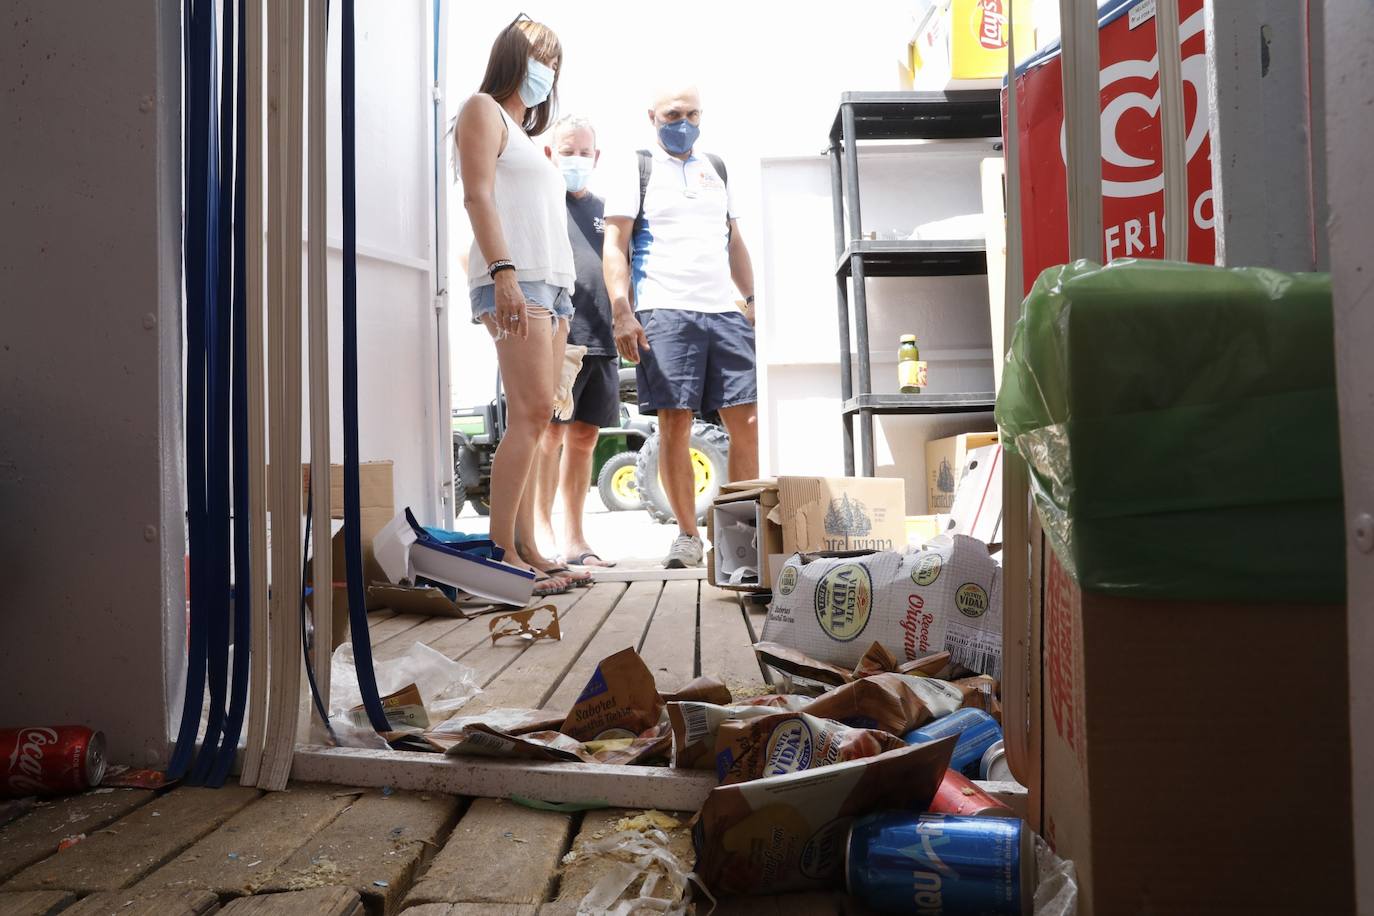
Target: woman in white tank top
[520, 269]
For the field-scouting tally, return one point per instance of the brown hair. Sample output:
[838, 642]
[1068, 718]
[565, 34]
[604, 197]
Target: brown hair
[509, 61]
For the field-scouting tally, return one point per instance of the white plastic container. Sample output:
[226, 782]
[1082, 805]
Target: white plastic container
[406, 552]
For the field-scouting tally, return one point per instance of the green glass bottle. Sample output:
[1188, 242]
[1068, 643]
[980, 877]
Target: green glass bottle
[910, 368]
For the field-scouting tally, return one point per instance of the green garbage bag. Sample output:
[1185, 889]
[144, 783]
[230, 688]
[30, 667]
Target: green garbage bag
[1179, 422]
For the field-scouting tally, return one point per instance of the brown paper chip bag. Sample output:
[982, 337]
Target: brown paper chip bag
[694, 728]
[787, 833]
[619, 701]
[704, 689]
[787, 742]
[893, 703]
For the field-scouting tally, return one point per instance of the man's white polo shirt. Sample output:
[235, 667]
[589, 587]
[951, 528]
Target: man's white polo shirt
[679, 257]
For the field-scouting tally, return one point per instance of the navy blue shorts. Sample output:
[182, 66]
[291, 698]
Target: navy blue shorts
[596, 392]
[699, 361]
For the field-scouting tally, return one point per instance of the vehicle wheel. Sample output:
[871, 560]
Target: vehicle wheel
[710, 450]
[460, 496]
[482, 505]
[618, 483]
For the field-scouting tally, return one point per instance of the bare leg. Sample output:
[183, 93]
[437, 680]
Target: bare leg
[528, 372]
[675, 467]
[546, 485]
[742, 423]
[576, 474]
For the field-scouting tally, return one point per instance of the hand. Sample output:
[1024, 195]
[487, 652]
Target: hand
[511, 306]
[749, 312]
[629, 335]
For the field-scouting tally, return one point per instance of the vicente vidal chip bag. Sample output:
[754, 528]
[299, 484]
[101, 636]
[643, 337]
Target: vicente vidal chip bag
[791, 741]
[945, 596]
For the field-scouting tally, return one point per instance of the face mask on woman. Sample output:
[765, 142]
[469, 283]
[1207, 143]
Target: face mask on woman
[678, 136]
[538, 83]
[577, 171]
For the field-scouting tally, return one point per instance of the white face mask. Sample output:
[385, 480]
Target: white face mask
[577, 171]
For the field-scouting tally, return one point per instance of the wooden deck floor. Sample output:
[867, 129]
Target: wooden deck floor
[326, 849]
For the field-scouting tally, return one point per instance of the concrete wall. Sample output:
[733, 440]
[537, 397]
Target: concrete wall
[798, 338]
[89, 367]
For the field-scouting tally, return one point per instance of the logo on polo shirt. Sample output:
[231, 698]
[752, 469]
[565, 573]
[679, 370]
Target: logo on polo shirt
[599, 224]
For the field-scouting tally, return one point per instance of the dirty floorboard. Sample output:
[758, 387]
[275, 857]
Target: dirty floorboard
[323, 850]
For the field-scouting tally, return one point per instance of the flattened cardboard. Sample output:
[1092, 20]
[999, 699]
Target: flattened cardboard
[945, 462]
[842, 513]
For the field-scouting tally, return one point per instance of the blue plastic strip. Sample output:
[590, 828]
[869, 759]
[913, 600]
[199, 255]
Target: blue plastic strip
[220, 187]
[242, 597]
[198, 24]
[353, 550]
[305, 643]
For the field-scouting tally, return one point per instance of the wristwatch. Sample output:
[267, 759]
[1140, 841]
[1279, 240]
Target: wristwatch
[495, 267]
[748, 300]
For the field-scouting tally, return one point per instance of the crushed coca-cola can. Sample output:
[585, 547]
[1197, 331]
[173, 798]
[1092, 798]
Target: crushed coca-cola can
[50, 760]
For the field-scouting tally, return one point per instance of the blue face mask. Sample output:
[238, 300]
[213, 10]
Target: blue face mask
[538, 83]
[577, 171]
[678, 137]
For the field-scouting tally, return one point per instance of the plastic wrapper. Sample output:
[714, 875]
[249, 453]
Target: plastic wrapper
[787, 833]
[789, 742]
[619, 701]
[442, 684]
[946, 596]
[1179, 423]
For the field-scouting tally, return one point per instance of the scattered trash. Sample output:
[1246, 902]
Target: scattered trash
[50, 760]
[386, 791]
[67, 842]
[233, 855]
[157, 814]
[946, 596]
[404, 710]
[124, 777]
[644, 874]
[977, 732]
[517, 624]
[443, 686]
[253, 863]
[949, 863]
[1056, 891]
[380, 884]
[780, 743]
[959, 795]
[560, 807]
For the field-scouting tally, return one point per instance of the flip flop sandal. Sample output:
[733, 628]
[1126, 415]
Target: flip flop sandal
[583, 581]
[544, 587]
[581, 560]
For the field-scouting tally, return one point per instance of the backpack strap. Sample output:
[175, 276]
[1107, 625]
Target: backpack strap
[646, 167]
[719, 165]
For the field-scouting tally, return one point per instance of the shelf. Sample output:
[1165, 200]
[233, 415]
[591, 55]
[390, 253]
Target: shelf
[955, 115]
[916, 258]
[966, 402]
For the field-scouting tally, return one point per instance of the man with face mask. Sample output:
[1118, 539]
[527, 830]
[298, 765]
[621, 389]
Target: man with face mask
[675, 266]
[596, 391]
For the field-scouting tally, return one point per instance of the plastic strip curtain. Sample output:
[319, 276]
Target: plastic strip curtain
[210, 270]
[353, 553]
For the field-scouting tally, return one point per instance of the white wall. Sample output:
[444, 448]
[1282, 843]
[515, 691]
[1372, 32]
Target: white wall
[398, 412]
[90, 486]
[798, 342]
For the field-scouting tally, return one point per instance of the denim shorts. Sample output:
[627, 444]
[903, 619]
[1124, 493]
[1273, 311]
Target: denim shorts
[554, 298]
[699, 361]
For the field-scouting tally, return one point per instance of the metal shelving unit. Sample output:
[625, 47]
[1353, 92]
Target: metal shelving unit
[959, 115]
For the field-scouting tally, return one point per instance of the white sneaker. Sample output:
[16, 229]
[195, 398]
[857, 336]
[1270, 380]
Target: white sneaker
[685, 553]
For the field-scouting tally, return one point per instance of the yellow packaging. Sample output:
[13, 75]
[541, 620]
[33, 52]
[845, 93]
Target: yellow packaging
[963, 43]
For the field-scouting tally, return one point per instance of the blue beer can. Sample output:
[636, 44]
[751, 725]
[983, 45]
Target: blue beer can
[977, 732]
[904, 862]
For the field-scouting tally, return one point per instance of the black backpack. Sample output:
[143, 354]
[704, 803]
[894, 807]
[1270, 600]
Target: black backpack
[646, 167]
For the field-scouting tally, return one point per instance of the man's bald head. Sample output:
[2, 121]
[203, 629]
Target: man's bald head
[670, 91]
[675, 103]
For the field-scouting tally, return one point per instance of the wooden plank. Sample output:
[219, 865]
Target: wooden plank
[621, 572]
[472, 909]
[800, 904]
[317, 901]
[134, 845]
[624, 786]
[726, 648]
[582, 871]
[374, 847]
[164, 902]
[490, 660]
[528, 681]
[35, 835]
[500, 852]
[242, 854]
[393, 627]
[670, 646]
[34, 903]
[429, 632]
[624, 628]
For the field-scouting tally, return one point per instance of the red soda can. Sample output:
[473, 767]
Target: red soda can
[960, 795]
[50, 760]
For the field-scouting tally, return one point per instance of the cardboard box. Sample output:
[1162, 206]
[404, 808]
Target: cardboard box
[1179, 741]
[806, 514]
[376, 501]
[945, 463]
[743, 535]
[962, 44]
